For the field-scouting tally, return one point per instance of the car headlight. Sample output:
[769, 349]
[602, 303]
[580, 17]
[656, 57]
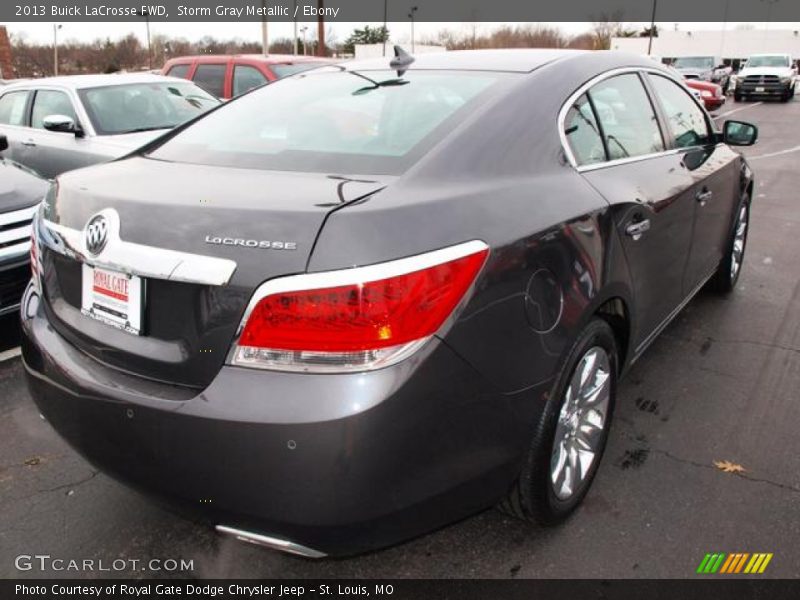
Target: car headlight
[787, 79]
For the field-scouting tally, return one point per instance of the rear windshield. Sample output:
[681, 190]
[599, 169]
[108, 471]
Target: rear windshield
[768, 61]
[127, 108]
[282, 71]
[333, 120]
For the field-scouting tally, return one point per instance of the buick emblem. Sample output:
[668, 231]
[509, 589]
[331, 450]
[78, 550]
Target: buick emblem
[96, 234]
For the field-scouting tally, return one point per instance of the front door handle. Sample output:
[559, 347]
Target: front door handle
[637, 229]
[704, 196]
[29, 143]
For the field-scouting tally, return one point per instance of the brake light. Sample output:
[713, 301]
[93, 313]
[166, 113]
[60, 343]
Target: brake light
[356, 319]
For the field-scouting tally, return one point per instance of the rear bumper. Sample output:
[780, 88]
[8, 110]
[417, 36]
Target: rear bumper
[340, 464]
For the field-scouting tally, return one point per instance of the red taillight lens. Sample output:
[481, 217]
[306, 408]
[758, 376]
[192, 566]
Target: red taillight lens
[368, 318]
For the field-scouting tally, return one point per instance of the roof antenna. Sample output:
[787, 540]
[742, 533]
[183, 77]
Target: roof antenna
[401, 61]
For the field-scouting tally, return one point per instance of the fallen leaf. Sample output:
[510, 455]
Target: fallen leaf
[32, 462]
[727, 466]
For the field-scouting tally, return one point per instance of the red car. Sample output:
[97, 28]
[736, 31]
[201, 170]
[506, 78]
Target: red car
[710, 93]
[226, 76]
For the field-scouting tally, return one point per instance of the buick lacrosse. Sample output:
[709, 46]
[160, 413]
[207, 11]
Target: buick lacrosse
[368, 300]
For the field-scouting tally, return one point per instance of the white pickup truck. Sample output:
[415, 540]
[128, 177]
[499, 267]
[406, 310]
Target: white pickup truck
[765, 75]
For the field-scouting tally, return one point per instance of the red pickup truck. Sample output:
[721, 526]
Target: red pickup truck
[226, 76]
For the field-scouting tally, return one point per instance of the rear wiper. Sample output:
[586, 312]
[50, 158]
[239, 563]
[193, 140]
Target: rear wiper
[377, 84]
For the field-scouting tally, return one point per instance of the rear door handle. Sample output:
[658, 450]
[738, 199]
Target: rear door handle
[29, 143]
[704, 196]
[637, 229]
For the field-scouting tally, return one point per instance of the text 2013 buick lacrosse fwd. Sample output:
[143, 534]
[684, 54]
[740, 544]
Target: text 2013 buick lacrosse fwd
[365, 301]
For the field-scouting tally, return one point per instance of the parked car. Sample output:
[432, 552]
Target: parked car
[20, 193]
[404, 293]
[226, 76]
[58, 124]
[711, 94]
[705, 68]
[766, 75]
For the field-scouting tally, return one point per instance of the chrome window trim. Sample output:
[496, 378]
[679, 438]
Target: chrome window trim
[136, 259]
[562, 116]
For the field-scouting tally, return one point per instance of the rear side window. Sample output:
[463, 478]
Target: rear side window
[181, 71]
[50, 102]
[687, 121]
[583, 133]
[627, 117]
[211, 78]
[245, 78]
[12, 108]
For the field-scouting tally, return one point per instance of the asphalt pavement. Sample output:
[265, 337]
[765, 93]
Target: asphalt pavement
[719, 386]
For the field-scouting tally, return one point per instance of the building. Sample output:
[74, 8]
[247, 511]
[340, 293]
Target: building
[731, 45]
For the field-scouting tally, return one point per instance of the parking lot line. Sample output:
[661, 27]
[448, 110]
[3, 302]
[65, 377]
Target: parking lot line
[9, 354]
[735, 110]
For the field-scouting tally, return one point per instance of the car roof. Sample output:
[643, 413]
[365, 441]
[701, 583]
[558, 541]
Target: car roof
[268, 59]
[514, 60]
[87, 81]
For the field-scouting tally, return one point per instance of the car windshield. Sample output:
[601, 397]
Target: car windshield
[331, 119]
[128, 108]
[285, 70]
[768, 61]
[694, 62]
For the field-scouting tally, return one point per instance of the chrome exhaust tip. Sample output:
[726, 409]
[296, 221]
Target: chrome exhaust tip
[270, 542]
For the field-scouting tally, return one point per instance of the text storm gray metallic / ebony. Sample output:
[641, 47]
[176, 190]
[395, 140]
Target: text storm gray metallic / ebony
[483, 242]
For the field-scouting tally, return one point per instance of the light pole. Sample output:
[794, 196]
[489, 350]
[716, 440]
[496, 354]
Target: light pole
[146, 15]
[304, 28]
[55, 48]
[264, 31]
[652, 28]
[385, 17]
[294, 20]
[411, 16]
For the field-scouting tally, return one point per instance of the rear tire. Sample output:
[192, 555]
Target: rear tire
[729, 270]
[571, 434]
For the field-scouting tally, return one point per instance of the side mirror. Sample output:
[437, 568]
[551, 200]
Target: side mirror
[739, 133]
[3, 143]
[61, 123]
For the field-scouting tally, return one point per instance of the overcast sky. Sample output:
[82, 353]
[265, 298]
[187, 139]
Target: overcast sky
[400, 32]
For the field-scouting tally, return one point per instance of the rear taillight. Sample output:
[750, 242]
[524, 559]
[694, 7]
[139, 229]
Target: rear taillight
[356, 319]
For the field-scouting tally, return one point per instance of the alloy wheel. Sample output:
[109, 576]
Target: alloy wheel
[580, 430]
[739, 239]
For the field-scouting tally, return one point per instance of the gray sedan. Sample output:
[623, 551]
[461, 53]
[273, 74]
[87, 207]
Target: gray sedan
[59, 124]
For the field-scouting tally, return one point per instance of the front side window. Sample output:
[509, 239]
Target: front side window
[583, 133]
[211, 78]
[334, 121]
[128, 108]
[51, 102]
[12, 108]
[686, 119]
[627, 117]
[245, 78]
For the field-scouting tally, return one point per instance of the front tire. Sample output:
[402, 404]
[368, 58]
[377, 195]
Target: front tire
[729, 270]
[571, 434]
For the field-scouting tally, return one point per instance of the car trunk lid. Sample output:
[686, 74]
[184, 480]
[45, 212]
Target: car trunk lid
[201, 239]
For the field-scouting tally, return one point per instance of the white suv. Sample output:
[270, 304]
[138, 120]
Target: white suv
[766, 75]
